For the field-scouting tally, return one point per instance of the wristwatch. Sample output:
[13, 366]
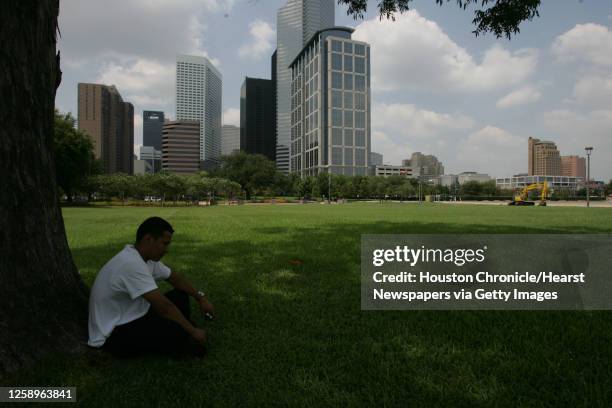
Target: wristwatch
[200, 294]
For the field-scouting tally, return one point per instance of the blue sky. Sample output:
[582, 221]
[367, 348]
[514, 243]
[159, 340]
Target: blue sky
[436, 88]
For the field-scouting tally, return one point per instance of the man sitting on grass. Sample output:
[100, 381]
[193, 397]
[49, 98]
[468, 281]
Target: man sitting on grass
[129, 316]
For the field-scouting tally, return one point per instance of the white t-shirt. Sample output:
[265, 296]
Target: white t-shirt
[116, 295]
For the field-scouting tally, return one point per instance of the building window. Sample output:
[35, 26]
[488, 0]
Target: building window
[348, 100]
[348, 63]
[360, 120]
[337, 62]
[359, 49]
[360, 138]
[360, 65]
[348, 118]
[348, 81]
[348, 156]
[348, 47]
[336, 99]
[348, 137]
[336, 80]
[337, 117]
[336, 45]
[337, 155]
[359, 157]
[336, 136]
[360, 101]
[359, 83]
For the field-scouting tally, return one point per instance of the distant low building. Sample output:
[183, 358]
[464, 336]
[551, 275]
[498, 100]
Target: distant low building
[142, 167]
[153, 157]
[425, 166]
[181, 146]
[449, 180]
[554, 182]
[466, 176]
[387, 170]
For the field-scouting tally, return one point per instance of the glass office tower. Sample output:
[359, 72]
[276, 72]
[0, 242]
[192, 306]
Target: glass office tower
[297, 22]
[330, 105]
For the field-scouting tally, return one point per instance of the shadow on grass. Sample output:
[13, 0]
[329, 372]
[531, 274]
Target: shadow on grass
[293, 333]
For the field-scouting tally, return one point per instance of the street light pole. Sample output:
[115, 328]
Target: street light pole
[588, 150]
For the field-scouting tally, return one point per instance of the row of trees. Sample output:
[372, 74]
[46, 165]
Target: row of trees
[166, 186]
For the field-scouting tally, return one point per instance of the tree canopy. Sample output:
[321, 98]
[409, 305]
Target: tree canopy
[500, 17]
[74, 157]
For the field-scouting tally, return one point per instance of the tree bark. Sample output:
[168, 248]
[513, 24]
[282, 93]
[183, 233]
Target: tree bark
[43, 301]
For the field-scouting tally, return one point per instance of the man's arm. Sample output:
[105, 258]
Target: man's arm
[166, 309]
[180, 283]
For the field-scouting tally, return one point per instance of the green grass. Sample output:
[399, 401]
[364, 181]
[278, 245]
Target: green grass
[295, 335]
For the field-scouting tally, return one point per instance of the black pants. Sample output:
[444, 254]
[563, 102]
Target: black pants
[153, 334]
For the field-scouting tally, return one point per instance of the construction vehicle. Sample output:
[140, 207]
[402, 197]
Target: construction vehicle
[521, 198]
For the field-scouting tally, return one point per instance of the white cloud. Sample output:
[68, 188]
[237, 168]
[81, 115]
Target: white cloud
[508, 151]
[150, 29]
[262, 36]
[595, 91]
[142, 82]
[409, 121]
[398, 130]
[429, 59]
[585, 42]
[231, 116]
[522, 96]
[393, 151]
[575, 130]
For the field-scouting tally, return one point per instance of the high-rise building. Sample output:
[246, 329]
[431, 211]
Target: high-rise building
[543, 158]
[424, 165]
[257, 129]
[330, 120]
[297, 22]
[573, 166]
[181, 146]
[198, 98]
[109, 122]
[152, 123]
[230, 139]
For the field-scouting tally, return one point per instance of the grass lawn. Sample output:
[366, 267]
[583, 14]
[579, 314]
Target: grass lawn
[295, 335]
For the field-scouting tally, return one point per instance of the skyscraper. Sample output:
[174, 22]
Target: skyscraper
[297, 22]
[257, 133]
[198, 98]
[330, 118]
[543, 158]
[230, 139]
[109, 122]
[152, 123]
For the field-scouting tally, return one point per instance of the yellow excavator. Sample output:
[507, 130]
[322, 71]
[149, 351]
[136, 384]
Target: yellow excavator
[521, 198]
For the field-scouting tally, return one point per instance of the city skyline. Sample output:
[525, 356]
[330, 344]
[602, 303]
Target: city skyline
[551, 82]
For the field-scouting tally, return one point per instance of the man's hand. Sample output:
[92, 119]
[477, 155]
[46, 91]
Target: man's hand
[199, 335]
[206, 308]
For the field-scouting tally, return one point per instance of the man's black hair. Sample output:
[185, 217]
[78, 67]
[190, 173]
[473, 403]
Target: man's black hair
[154, 226]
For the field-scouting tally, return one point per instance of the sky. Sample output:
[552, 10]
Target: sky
[436, 88]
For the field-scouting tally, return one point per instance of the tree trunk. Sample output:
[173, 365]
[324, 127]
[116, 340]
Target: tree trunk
[43, 302]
